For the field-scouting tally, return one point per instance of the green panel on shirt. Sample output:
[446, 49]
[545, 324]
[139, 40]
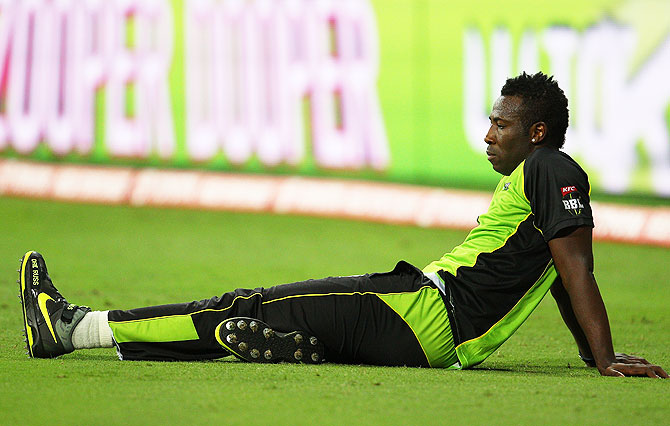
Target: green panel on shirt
[509, 207]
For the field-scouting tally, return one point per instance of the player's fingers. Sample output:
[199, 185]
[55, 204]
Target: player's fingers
[631, 359]
[660, 372]
[647, 370]
[651, 373]
[621, 369]
[633, 369]
[611, 371]
[639, 360]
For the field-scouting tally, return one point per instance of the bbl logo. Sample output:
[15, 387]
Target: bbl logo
[571, 200]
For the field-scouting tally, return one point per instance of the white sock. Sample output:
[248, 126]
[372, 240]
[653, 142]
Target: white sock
[93, 332]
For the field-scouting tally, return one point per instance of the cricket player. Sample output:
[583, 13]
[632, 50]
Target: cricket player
[534, 238]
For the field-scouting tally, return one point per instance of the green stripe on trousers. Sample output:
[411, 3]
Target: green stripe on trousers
[164, 329]
[425, 313]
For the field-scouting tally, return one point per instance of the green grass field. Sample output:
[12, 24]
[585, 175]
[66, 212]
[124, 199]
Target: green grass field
[121, 257]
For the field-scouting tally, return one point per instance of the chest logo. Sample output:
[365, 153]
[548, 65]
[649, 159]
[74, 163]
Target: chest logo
[506, 186]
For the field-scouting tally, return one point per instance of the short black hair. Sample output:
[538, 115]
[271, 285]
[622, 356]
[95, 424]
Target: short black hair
[544, 101]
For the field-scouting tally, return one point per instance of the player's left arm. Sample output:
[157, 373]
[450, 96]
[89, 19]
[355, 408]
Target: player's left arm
[565, 308]
[572, 252]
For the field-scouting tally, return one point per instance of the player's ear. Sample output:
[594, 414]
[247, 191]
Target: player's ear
[537, 132]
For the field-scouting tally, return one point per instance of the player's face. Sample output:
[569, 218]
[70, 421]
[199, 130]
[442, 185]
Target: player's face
[508, 142]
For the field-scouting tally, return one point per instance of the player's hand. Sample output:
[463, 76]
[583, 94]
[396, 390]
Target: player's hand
[630, 359]
[630, 365]
[621, 358]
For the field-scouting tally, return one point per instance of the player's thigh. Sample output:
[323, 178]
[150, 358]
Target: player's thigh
[350, 316]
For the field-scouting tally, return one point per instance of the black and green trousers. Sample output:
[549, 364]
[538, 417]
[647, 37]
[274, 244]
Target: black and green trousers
[393, 318]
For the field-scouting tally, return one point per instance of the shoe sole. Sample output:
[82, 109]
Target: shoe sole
[254, 341]
[27, 329]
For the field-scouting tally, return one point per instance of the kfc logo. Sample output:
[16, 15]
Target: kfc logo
[567, 190]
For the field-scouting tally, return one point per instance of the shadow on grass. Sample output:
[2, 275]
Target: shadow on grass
[539, 370]
[109, 357]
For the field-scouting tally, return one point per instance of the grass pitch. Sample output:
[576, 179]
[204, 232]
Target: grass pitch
[121, 257]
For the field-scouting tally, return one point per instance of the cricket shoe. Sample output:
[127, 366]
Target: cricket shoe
[254, 341]
[48, 318]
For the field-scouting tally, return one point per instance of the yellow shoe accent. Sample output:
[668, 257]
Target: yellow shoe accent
[218, 336]
[42, 302]
[29, 330]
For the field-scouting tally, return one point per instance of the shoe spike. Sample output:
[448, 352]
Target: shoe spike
[268, 332]
[315, 357]
[298, 338]
[268, 354]
[231, 338]
[230, 325]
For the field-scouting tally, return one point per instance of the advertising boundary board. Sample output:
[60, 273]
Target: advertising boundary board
[395, 91]
[350, 199]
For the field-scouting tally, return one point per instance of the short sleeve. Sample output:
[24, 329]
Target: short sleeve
[558, 192]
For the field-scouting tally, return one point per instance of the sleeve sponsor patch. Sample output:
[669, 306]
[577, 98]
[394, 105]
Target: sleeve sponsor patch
[567, 190]
[572, 201]
[557, 190]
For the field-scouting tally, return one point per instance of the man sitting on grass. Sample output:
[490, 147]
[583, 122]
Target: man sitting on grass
[535, 237]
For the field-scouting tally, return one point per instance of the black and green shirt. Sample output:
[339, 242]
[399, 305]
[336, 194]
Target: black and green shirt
[502, 270]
